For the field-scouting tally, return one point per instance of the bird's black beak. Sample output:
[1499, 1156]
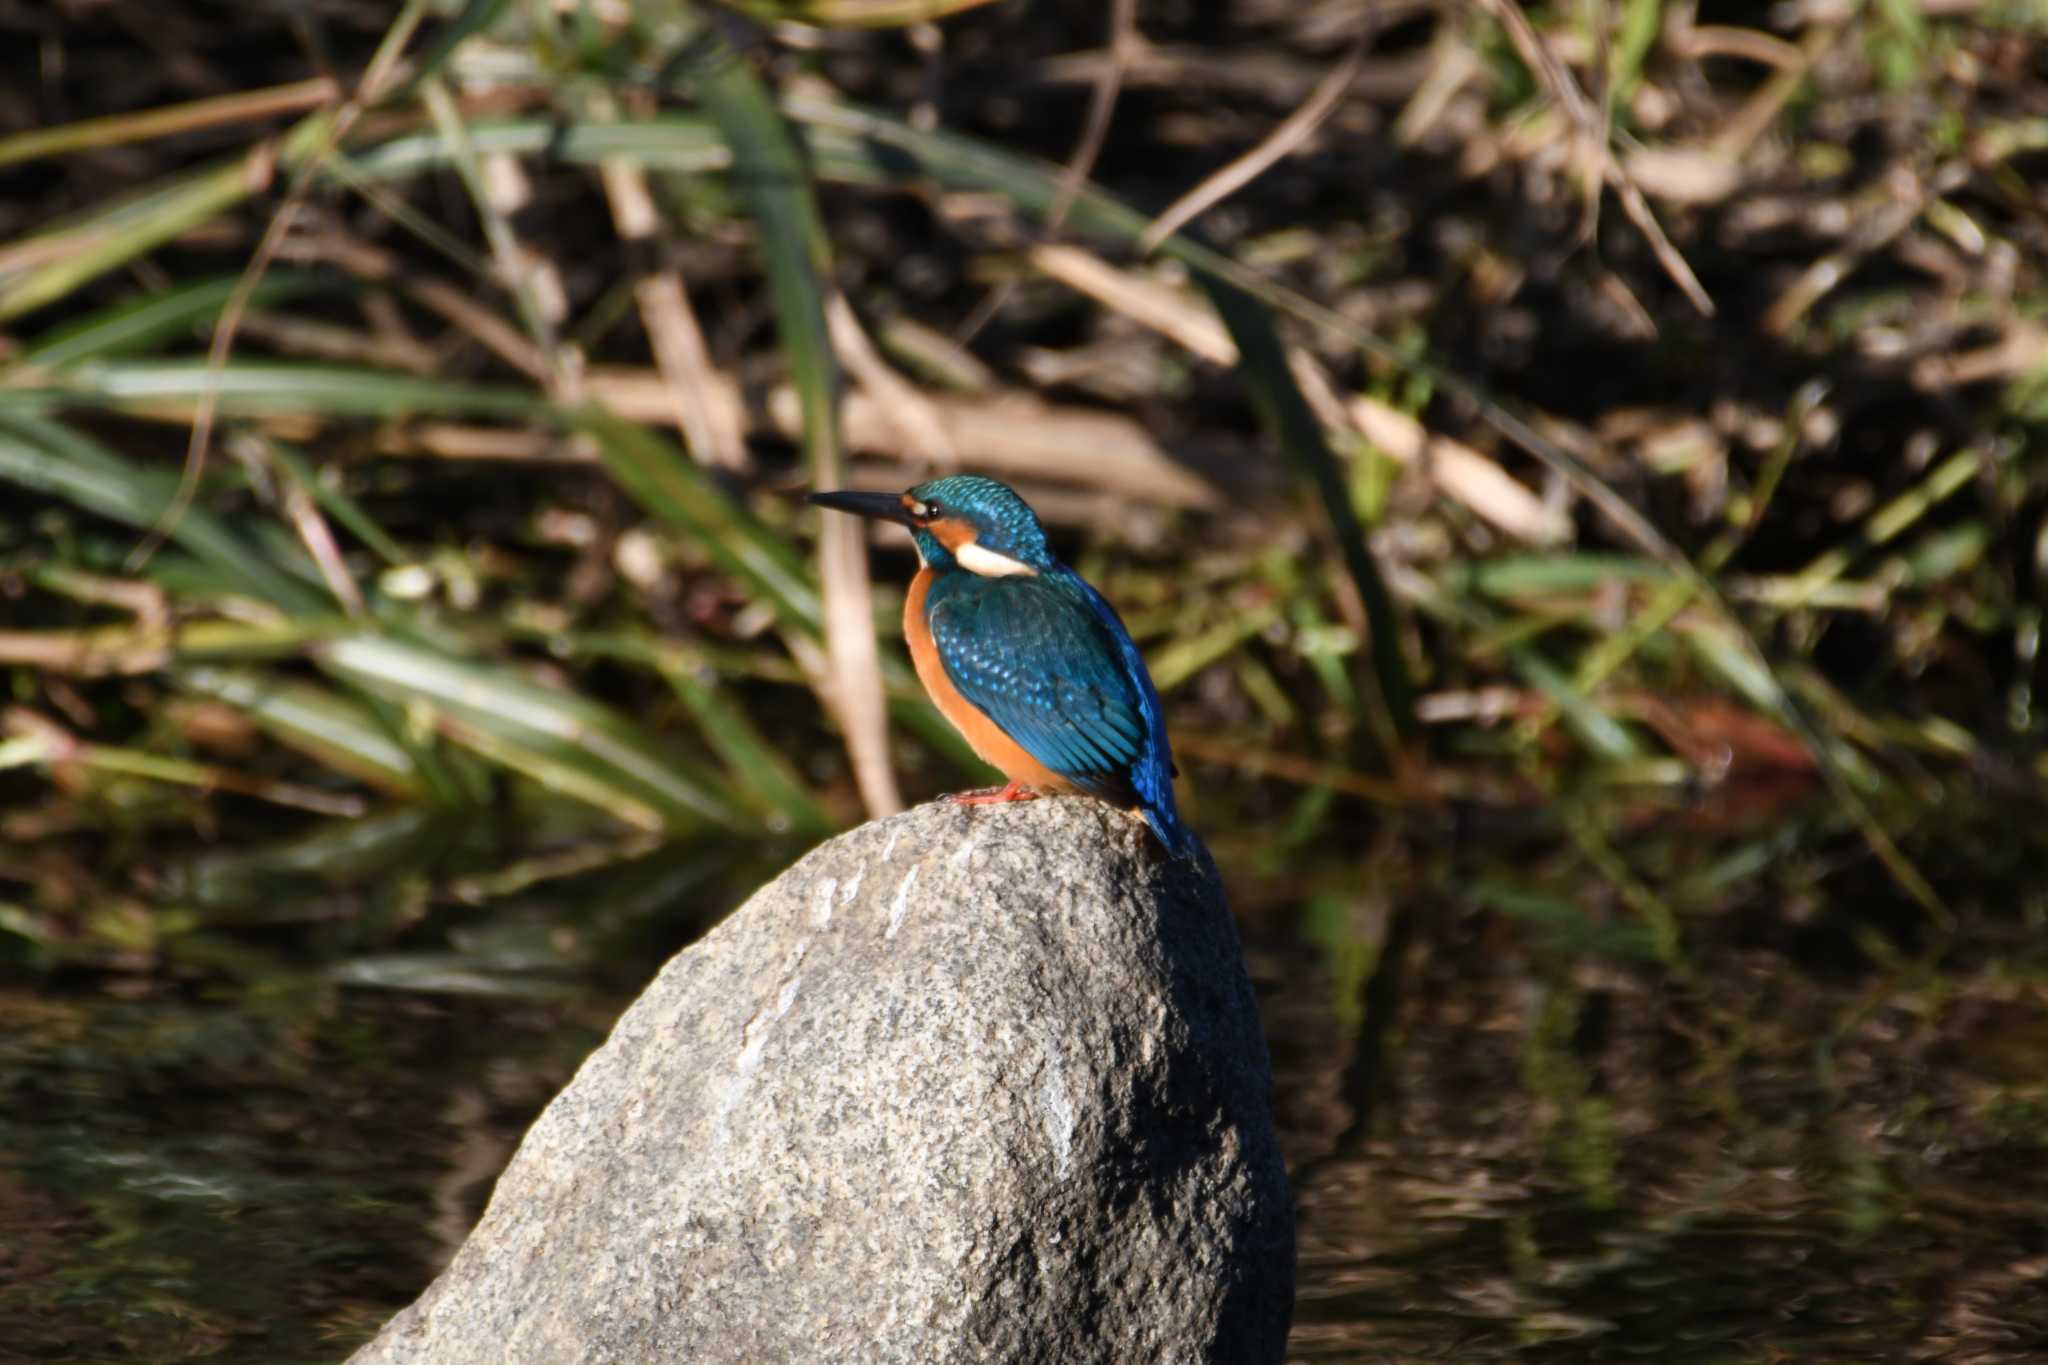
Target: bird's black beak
[875, 506]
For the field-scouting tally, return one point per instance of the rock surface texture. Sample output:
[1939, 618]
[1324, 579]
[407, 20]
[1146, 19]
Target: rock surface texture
[966, 1084]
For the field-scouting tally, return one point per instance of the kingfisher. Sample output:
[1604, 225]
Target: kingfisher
[1026, 660]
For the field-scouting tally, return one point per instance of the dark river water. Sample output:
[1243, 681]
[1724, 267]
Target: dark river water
[1640, 1077]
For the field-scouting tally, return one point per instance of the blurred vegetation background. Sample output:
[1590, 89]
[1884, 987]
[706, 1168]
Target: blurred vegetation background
[1601, 438]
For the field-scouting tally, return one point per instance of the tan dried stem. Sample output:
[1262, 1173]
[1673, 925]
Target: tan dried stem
[707, 408]
[854, 688]
[1283, 141]
[376, 78]
[1590, 129]
[476, 320]
[912, 416]
[1459, 471]
[119, 130]
[1123, 45]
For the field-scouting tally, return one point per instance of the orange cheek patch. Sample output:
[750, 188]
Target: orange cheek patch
[951, 533]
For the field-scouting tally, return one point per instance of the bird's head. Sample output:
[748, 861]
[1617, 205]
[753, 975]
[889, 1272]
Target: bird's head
[961, 521]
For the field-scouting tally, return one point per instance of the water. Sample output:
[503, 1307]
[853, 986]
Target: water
[1519, 1127]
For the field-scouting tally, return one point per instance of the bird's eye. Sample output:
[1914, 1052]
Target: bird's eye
[932, 509]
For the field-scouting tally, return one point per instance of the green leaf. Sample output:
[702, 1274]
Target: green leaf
[1597, 730]
[1539, 575]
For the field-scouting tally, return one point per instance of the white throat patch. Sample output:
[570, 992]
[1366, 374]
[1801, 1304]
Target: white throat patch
[989, 564]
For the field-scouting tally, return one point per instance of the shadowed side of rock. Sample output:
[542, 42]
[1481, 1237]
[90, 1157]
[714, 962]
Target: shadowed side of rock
[977, 1084]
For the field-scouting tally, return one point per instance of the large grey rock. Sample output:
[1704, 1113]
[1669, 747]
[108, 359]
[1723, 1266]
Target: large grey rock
[967, 1084]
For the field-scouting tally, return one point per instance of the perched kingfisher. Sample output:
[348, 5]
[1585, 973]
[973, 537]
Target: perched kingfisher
[1023, 657]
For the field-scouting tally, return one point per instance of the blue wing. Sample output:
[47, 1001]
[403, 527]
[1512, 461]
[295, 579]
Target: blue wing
[1077, 698]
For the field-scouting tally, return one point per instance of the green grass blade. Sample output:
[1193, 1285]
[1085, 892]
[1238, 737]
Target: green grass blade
[476, 16]
[53, 459]
[336, 732]
[260, 388]
[1549, 575]
[681, 143]
[139, 324]
[334, 502]
[91, 244]
[759, 767]
[658, 476]
[1598, 731]
[773, 179]
[761, 771]
[565, 742]
[1286, 415]
[655, 473]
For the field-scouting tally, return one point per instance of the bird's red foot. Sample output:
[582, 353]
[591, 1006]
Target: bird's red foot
[994, 796]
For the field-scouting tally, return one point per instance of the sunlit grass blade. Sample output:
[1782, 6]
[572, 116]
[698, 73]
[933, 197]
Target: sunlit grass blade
[761, 771]
[773, 178]
[682, 143]
[565, 742]
[51, 458]
[38, 740]
[332, 730]
[143, 649]
[1598, 731]
[140, 324]
[1263, 365]
[451, 974]
[256, 388]
[116, 130]
[44, 268]
[656, 473]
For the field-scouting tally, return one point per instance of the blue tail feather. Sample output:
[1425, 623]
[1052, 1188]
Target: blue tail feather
[1177, 838]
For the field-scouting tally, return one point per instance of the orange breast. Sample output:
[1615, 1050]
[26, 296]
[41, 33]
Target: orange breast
[997, 749]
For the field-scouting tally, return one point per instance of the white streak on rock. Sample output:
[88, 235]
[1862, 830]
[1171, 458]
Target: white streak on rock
[758, 1029]
[966, 851]
[821, 905]
[890, 847]
[1056, 1102]
[901, 907]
